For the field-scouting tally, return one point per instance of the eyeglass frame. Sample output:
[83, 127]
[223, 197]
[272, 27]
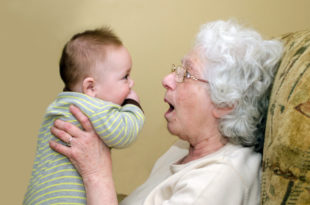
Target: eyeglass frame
[186, 74]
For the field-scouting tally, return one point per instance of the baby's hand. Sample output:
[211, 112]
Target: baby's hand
[133, 95]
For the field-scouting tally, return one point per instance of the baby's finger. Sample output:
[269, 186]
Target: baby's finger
[81, 117]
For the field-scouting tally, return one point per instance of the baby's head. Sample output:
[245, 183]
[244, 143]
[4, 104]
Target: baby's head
[97, 64]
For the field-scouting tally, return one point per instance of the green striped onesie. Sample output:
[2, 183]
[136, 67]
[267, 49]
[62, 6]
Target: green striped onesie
[54, 179]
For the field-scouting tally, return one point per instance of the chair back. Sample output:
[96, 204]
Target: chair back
[286, 158]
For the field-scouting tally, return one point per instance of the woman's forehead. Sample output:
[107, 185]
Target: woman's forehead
[192, 60]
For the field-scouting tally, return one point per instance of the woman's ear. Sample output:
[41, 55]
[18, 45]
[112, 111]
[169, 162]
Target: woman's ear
[89, 86]
[218, 112]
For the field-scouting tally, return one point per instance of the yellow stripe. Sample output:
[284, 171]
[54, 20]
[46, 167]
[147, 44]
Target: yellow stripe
[61, 158]
[79, 103]
[74, 120]
[81, 99]
[58, 172]
[43, 136]
[46, 145]
[99, 119]
[134, 124]
[46, 138]
[133, 131]
[56, 178]
[106, 121]
[131, 134]
[140, 115]
[67, 203]
[44, 152]
[103, 103]
[48, 124]
[40, 176]
[47, 119]
[104, 111]
[54, 153]
[111, 133]
[120, 139]
[59, 165]
[137, 110]
[110, 140]
[59, 184]
[128, 137]
[65, 108]
[102, 131]
[57, 197]
[38, 168]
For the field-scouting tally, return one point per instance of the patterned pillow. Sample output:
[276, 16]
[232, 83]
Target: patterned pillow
[286, 160]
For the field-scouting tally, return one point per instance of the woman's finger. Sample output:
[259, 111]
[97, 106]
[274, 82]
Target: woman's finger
[66, 129]
[81, 117]
[63, 136]
[62, 149]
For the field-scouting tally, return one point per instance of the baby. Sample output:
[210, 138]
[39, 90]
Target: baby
[95, 68]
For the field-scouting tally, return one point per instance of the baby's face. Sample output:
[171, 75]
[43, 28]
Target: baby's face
[112, 76]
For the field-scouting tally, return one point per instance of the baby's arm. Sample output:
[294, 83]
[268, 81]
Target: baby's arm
[119, 126]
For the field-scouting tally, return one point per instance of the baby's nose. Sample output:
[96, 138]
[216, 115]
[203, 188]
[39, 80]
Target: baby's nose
[131, 83]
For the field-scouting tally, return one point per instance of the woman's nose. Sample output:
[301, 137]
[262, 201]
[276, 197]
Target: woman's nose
[168, 82]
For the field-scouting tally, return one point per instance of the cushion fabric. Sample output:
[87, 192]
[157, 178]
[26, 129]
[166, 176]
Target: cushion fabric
[286, 159]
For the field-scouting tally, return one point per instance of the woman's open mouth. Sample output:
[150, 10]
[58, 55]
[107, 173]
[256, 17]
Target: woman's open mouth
[171, 107]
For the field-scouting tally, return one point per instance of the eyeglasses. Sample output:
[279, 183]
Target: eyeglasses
[181, 73]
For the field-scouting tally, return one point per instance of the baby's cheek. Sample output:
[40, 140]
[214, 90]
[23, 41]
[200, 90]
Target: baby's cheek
[125, 93]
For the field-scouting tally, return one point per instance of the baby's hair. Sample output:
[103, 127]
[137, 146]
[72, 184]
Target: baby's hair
[81, 52]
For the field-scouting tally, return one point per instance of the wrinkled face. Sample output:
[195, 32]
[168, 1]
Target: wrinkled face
[112, 75]
[190, 109]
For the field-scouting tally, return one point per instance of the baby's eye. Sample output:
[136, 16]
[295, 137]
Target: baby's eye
[126, 76]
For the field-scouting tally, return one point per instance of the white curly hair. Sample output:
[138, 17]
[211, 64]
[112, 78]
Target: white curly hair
[240, 67]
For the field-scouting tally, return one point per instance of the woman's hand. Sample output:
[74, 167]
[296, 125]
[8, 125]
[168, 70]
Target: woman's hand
[87, 151]
[90, 156]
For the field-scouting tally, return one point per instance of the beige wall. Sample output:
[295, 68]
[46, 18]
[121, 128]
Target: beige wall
[157, 33]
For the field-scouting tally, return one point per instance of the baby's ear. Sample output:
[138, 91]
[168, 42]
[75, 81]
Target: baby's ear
[89, 86]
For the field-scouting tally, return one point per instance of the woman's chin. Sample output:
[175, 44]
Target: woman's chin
[171, 126]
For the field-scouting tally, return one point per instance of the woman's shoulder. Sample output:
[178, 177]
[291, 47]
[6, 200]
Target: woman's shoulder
[230, 162]
[240, 156]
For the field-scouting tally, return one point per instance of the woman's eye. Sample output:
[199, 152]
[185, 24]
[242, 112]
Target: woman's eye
[187, 74]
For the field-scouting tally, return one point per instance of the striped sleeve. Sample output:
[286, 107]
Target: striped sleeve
[118, 126]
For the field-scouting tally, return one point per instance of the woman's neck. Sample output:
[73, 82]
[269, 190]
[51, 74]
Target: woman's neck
[204, 147]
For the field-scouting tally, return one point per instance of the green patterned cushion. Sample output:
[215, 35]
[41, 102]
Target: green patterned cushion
[286, 160]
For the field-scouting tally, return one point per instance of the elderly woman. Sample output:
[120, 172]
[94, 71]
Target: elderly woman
[217, 99]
